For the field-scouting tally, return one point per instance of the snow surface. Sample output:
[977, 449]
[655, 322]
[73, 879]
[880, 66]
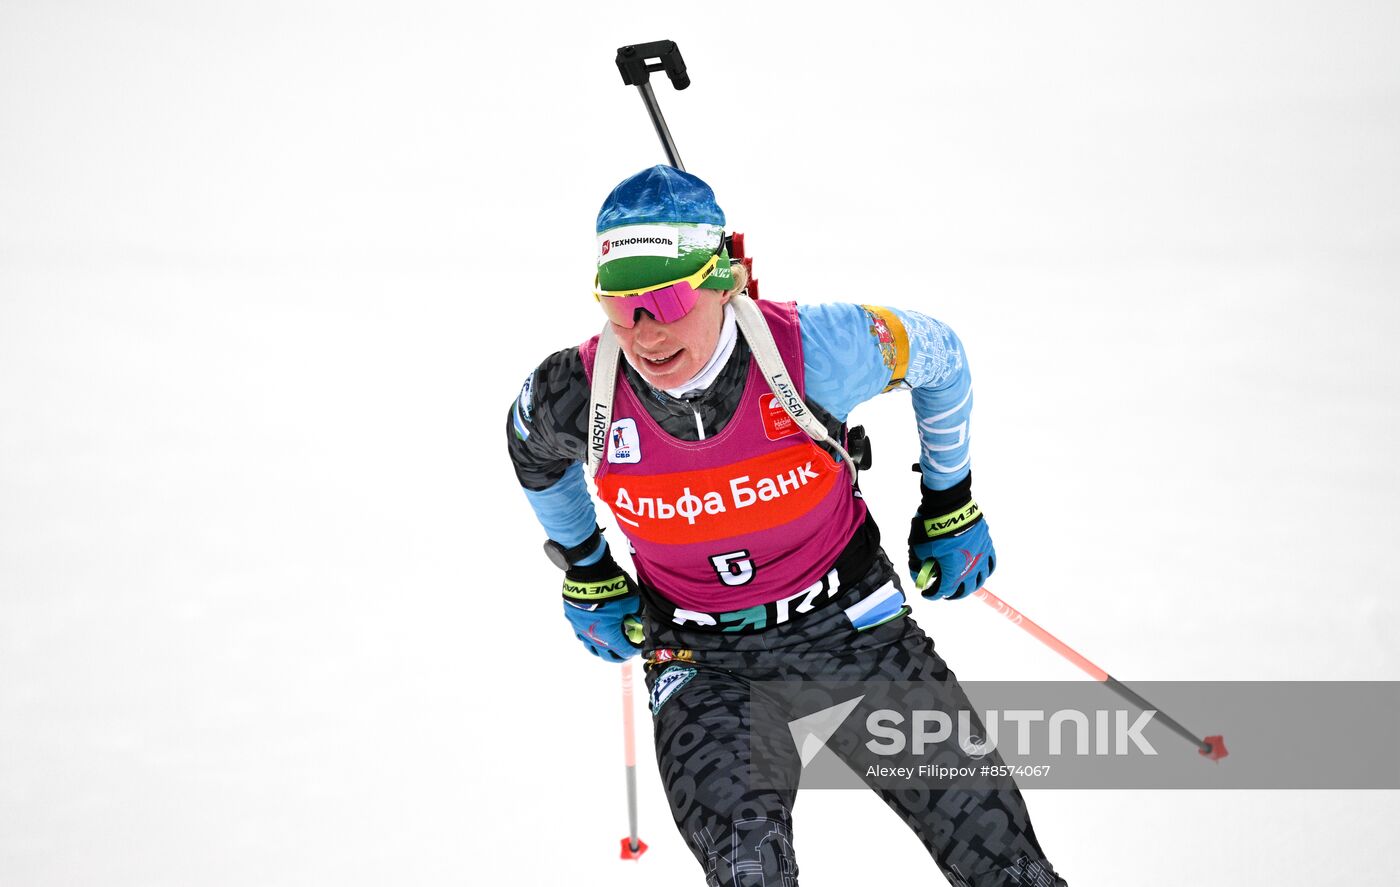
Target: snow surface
[272, 610]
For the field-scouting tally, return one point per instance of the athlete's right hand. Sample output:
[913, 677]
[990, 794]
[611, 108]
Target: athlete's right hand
[602, 604]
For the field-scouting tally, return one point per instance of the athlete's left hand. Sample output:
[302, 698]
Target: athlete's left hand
[950, 548]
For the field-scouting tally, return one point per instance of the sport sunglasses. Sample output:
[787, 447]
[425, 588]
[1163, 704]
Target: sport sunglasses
[668, 302]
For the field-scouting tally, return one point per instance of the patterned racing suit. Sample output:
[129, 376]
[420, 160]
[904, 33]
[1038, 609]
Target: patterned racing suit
[701, 679]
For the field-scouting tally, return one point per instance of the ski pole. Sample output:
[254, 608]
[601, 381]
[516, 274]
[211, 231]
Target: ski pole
[636, 63]
[1212, 747]
[632, 846]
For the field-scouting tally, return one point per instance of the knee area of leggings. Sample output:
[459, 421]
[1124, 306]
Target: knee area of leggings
[753, 850]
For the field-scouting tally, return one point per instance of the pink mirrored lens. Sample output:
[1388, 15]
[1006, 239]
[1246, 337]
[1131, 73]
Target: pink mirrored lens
[668, 304]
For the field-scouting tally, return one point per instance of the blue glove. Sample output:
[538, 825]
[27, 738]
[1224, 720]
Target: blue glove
[602, 604]
[950, 549]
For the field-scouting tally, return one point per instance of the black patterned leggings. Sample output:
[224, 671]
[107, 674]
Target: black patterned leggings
[739, 828]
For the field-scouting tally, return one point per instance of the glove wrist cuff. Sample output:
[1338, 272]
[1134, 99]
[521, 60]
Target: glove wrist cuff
[946, 512]
[603, 568]
[950, 523]
[596, 582]
[596, 591]
[943, 501]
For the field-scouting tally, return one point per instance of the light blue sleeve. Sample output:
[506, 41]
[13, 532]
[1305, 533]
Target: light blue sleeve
[845, 365]
[565, 510]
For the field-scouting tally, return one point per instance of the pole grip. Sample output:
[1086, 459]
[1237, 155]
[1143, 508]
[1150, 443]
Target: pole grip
[1018, 618]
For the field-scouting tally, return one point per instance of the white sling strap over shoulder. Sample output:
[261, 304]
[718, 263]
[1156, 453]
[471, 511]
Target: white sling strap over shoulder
[601, 400]
[770, 363]
[765, 351]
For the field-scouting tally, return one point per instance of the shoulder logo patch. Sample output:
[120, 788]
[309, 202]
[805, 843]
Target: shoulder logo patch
[624, 445]
[880, 329]
[893, 341]
[667, 683]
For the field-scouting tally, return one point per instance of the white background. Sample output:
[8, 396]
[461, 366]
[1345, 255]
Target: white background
[272, 608]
